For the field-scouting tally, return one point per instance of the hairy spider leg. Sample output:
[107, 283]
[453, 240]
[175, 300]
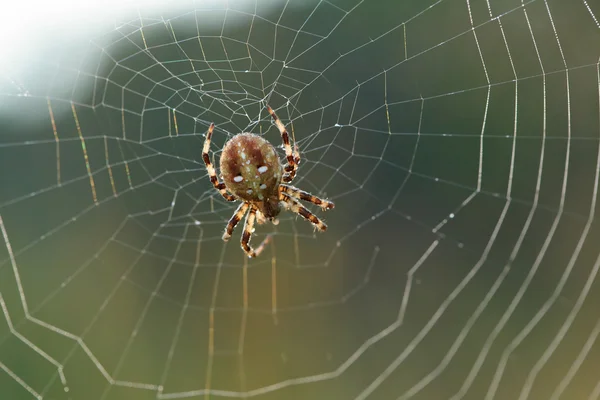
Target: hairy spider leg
[220, 186]
[235, 218]
[292, 204]
[302, 195]
[261, 219]
[293, 158]
[262, 246]
[248, 228]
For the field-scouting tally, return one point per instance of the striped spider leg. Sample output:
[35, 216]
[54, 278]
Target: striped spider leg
[235, 218]
[302, 195]
[292, 156]
[292, 204]
[248, 228]
[220, 186]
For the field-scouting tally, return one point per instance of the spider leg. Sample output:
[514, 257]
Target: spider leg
[260, 217]
[220, 186]
[289, 176]
[292, 156]
[262, 246]
[248, 228]
[235, 218]
[292, 204]
[302, 195]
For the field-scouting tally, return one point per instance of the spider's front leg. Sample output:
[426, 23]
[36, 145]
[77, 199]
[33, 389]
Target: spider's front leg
[302, 195]
[220, 186]
[292, 156]
[248, 228]
[292, 204]
[237, 217]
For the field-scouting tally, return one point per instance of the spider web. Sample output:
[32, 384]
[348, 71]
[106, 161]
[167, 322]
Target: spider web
[458, 139]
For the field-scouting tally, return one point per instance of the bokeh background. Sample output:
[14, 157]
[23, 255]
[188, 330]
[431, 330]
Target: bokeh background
[458, 139]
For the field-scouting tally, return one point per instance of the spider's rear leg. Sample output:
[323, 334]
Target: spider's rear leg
[262, 246]
[220, 186]
[292, 204]
[296, 154]
[248, 228]
[292, 156]
[235, 218]
[290, 170]
[302, 195]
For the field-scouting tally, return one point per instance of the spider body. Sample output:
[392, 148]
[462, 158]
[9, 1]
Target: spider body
[252, 173]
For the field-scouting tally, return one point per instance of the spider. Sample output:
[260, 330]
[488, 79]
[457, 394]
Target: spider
[252, 173]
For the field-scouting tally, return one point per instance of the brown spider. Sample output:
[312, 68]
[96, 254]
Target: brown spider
[252, 172]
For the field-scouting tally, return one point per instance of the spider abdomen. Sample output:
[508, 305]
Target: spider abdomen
[250, 168]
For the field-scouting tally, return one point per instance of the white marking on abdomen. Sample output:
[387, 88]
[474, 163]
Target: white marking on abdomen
[238, 178]
[263, 186]
[262, 169]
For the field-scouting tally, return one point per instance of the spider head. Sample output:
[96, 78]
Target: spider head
[270, 207]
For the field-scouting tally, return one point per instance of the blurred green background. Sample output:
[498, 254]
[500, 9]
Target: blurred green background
[459, 141]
